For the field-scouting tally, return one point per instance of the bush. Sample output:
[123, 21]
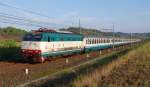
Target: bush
[9, 50]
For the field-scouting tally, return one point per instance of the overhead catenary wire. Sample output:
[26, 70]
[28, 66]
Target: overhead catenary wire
[19, 23]
[27, 19]
[31, 12]
[22, 19]
[2, 19]
[12, 18]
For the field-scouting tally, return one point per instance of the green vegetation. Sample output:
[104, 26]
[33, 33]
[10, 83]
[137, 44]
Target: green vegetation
[10, 38]
[9, 50]
[11, 33]
[131, 70]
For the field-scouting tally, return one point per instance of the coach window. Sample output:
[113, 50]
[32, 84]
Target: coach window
[86, 41]
[108, 41]
[93, 41]
[99, 40]
[90, 41]
[103, 40]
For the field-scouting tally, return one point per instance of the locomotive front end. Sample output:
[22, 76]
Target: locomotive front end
[31, 48]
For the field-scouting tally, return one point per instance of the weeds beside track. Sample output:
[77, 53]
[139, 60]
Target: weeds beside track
[9, 50]
[131, 70]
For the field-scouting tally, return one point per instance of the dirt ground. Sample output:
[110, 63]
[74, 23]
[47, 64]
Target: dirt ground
[12, 73]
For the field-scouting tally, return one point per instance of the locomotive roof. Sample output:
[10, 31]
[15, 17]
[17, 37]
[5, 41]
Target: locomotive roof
[45, 30]
[92, 37]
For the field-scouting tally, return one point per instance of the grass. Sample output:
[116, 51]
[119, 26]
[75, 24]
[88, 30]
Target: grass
[130, 70]
[68, 75]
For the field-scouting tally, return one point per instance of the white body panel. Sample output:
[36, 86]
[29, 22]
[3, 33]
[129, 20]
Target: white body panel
[68, 45]
[52, 46]
[97, 43]
[31, 45]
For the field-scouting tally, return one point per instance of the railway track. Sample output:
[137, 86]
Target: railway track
[12, 74]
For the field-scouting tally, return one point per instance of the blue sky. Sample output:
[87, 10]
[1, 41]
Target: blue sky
[126, 15]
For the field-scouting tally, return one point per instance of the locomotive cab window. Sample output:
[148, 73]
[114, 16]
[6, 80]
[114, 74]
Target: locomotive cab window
[30, 37]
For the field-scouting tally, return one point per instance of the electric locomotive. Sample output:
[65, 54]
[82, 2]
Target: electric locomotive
[44, 43]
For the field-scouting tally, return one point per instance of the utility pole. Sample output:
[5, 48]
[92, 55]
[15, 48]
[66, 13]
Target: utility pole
[113, 28]
[79, 27]
[113, 35]
[131, 39]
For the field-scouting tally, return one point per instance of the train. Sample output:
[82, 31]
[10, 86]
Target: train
[44, 44]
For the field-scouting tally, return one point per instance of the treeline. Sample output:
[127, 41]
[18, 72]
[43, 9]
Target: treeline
[95, 32]
[12, 33]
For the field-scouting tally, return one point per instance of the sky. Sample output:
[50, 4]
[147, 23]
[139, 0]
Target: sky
[126, 15]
